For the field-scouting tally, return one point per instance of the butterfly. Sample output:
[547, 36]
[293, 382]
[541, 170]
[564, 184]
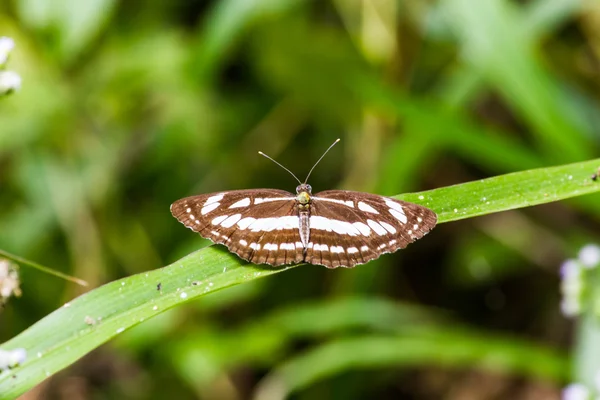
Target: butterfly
[333, 228]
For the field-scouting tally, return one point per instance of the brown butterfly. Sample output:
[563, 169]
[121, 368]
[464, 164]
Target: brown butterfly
[334, 228]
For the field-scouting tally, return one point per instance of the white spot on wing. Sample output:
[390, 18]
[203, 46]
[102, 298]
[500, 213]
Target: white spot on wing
[367, 208]
[259, 200]
[219, 219]
[363, 228]
[394, 206]
[188, 210]
[270, 246]
[245, 222]
[241, 203]
[255, 246]
[399, 215]
[287, 246]
[299, 245]
[213, 199]
[329, 225]
[274, 223]
[321, 247]
[348, 203]
[337, 249]
[243, 242]
[388, 227]
[380, 230]
[230, 221]
[344, 227]
[364, 248]
[352, 250]
[209, 208]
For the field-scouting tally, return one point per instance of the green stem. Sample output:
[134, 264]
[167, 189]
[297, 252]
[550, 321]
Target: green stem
[39, 267]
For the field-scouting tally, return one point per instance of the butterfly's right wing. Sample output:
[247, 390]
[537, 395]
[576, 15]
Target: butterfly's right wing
[259, 225]
[350, 228]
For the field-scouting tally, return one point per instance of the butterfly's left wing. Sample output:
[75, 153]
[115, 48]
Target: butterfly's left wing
[259, 225]
[349, 228]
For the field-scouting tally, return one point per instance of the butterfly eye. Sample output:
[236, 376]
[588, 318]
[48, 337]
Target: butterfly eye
[303, 188]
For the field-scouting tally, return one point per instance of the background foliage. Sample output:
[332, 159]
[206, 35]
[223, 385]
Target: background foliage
[126, 108]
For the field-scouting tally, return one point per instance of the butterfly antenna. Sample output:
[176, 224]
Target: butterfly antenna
[291, 173]
[319, 160]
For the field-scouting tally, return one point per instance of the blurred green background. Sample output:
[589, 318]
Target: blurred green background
[128, 106]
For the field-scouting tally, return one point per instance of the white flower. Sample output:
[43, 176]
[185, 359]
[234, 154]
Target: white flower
[6, 46]
[570, 307]
[9, 81]
[571, 287]
[589, 256]
[576, 391]
[9, 280]
[570, 269]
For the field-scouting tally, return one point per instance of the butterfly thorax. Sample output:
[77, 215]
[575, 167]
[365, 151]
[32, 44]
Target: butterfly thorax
[303, 193]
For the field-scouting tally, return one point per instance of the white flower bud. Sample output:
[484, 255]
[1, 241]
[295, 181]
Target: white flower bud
[589, 256]
[571, 287]
[6, 46]
[9, 82]
[576, 391]
[570, 307]
[9, 280]
[570, 269]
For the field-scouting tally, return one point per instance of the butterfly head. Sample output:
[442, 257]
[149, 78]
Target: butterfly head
[303, 191]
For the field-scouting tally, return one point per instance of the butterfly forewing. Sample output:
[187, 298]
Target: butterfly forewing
[259, 225]
[350, 228]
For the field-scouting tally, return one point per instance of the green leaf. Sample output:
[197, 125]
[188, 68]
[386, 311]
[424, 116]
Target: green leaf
[69, 333]
[510, 191]
[75, 23]
[524, 82]
[78, 327]
[434, 347]
[226, 24]
[205, 353]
